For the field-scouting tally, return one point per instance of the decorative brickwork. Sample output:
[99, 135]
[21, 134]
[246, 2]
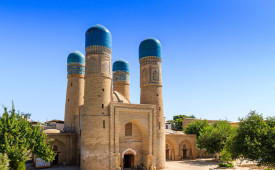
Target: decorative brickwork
[153, 60]
[98, 49]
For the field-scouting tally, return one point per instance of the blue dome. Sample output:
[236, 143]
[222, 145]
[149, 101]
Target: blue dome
[98, 35]
[121, 65]
[76, 57]
[149, 47]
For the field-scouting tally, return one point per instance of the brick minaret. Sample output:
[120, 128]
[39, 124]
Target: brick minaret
[75, 90]
[151, 90]
[121, 78]
[97, 97]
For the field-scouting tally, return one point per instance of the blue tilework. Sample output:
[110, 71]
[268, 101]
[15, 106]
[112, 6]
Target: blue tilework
[76, 57]
[98, 35]
[121, 65]
[75, 69]
[149, 47]
[121, 77]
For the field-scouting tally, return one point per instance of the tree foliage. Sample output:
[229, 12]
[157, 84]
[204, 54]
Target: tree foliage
[213, 137]
[19, 139]
[254, 139]
[195, 127]
[177, 121]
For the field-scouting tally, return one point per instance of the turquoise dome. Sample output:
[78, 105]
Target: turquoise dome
[98, 35]
[149, 47]
[76, 57]
[121, 65]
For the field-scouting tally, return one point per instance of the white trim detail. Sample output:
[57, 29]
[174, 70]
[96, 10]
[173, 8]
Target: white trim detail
[127, 150]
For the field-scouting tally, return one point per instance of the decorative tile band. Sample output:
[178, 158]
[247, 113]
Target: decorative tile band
[98, 49]
[150, 75]
[75, 69]
[154, 60]
[121, 76]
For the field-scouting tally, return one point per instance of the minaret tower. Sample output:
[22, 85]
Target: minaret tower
[97, 97]
[151, 90]
[121, 78]
[75, 90]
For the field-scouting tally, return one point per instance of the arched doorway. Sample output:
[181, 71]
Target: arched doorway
[55, 149]
[129, 158]
[185, 150]
[60, 149]
[129, 161]
[167, 152]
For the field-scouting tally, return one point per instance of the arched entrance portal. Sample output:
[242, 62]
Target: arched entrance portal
[185, 150]
[129, 158]
[60, 149]
[170, 150]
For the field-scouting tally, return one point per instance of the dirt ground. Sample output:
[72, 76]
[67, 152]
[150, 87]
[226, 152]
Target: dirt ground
[198, 164]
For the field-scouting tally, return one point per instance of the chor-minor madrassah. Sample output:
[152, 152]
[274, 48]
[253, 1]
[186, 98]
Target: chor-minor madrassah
[102, 128]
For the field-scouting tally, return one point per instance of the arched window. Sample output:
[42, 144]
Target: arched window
[184, 146]
[128, 129]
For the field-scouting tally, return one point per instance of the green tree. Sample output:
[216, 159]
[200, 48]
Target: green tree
[177, 121]
[213, 137]
[19, 139]
[4, 161]
[195, 127]
[254, 139]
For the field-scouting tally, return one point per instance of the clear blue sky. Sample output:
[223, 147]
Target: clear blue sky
[218, 57]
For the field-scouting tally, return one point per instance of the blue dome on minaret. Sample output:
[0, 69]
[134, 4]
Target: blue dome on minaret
[150, 47]
[76, 57]
[98, 35]
[76, 63]
[121, 65]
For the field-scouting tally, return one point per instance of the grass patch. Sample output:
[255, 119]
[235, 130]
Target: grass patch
[227, 165]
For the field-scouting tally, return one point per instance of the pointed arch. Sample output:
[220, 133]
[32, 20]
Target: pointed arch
[129, 150]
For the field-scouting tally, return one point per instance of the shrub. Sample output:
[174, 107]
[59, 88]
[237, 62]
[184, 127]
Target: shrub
[227, 165]
[4, 161]
[21, 166]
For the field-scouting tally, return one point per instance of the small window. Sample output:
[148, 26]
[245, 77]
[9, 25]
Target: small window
[104, 124]
[102, 106]
[128, 129]
[159, 125]
[157, 94]
[71, 84]
[102, 89]
[159, 108]
[68, 99]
